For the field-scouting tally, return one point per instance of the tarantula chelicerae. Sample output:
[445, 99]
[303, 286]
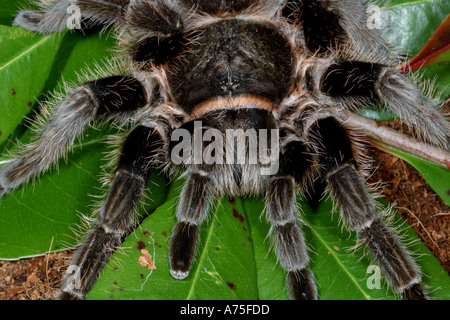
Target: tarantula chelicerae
[282, 68]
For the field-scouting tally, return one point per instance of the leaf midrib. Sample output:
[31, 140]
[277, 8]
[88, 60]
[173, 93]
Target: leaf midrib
[210, 231]
[338, 261]
[25, 52]
[196, 277]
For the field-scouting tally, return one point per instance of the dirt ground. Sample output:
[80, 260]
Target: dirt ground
[39, 278]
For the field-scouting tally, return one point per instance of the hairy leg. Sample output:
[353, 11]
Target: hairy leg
[283, 216]
[116, 215]
[110, 96]
[191, 212]
[154, 16]
[339, 27]
[358, 209]
[386, 86]
[338, 31]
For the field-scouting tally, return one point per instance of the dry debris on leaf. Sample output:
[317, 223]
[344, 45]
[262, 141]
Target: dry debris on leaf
[146, 260]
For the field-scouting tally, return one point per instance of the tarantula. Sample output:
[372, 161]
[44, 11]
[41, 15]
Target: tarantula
[282, 68]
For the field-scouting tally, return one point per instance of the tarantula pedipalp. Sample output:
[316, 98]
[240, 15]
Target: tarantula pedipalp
[244, 65]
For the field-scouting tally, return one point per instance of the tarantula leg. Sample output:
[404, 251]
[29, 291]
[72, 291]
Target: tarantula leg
[103, 11]
[358, 209]
[291, 163]
[295, 160]
[320, 24]
[166, 39]
[51, 18]
[387, 86]
[340, 27]
[191, 212]
[116, 214]
[55, 16]
[155, 16]
[108, 96]
[289, 242]
[283, 215]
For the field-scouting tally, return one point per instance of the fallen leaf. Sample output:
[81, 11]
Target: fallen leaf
[436, 50]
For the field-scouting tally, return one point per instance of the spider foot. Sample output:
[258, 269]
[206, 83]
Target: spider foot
[178, 274]
[414, 292]
[4, 189]
[68, 296]
[302, 286]
[53, 18]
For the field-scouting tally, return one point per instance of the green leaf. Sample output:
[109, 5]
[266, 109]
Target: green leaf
[24, 49]
[409, 24]
[224, 262]
[40, 216]
[436, 50]
[8, 9]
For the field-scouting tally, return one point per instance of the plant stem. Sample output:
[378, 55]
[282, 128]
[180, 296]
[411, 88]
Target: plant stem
[381, 136]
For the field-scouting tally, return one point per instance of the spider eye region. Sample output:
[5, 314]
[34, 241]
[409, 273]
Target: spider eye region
[229, 85]
[232, 57]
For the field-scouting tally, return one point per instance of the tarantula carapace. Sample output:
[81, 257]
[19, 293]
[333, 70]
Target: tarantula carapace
[271, 76]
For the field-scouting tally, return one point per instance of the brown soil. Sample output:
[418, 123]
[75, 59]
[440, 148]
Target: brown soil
[416, 202]
[32, 279]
